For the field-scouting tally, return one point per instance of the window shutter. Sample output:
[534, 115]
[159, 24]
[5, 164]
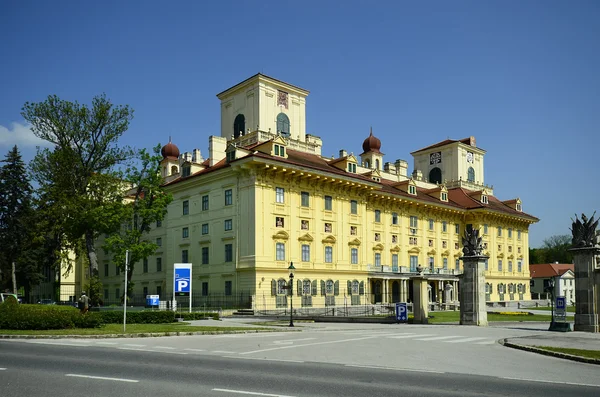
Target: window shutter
[349, 290]
[273, 287]
[299, 284]
[336, 288]
[361, 288]
[313, 291]
[322, 288]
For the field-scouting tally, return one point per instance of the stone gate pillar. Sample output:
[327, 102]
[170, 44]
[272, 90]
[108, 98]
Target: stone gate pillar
[420, 300]
[586, 289]
[473, 310]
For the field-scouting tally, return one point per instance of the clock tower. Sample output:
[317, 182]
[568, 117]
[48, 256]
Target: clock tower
[453, 163]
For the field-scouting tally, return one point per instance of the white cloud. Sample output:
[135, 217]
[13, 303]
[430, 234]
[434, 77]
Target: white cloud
[20, 135]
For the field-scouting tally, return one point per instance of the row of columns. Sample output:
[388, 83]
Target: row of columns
[386, 290]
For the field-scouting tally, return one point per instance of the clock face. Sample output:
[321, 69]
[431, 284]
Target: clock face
[469, 157]
[435, 158]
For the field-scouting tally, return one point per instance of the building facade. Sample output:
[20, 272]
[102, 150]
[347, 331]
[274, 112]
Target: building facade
[562, 275]
[356, 227]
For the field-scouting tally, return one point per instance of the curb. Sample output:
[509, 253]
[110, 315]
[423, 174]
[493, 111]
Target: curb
[140, 335]
[534, 349]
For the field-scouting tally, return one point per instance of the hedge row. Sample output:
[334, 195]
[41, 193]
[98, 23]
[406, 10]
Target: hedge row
[198, 316]
[37, 317]
[143, 317]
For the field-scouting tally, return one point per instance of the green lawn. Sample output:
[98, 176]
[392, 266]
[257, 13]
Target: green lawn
[110, 329]
[575, 352]
[454, 316]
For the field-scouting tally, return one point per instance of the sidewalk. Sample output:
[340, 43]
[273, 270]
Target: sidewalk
[568, 340]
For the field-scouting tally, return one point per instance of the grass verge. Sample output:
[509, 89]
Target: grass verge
[575, 352]
[570, 309]
[111, 329]
[450, 317]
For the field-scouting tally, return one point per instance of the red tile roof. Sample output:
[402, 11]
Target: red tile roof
[546, 270]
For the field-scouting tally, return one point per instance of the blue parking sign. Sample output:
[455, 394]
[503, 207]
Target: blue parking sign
[182, 280]
[561, 302]
[401, 312]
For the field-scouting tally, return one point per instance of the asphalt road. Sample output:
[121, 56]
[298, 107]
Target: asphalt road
[31, 369]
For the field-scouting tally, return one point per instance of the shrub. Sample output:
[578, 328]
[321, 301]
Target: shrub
[198, 316]
[42, 317]
[143, 317]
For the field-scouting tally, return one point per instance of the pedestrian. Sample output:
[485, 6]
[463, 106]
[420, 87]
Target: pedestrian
[83, 303]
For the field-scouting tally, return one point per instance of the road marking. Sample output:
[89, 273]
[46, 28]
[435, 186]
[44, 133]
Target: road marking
[395, 369]
[439, 337]
[488, 342]
[314, 344]
[550, 381]
[265, 359]
[133, 345]
[195, 350]
[103, 378]
[464, 340]
[164, 347]
[223, 352]
[292, 340]
[252, 393]
[2, 369]
[149, 350]
[58, 343]
[404, 336]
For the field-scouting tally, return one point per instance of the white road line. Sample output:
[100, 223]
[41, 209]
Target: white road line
[133, 345]
[463, 340]
[223, 352]
[149, 350]
[293, 340]
[404, 336]
[395, 369]
[549, 381]
[487, 342]
[58, 343]
[103, 378]
[195, 350]
[164, 347]
[314, 344]
[265, 359]
[2, 369]
[439, 337]
[252, 393]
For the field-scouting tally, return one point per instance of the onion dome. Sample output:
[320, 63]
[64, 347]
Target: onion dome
[371, 144]
[170, 150]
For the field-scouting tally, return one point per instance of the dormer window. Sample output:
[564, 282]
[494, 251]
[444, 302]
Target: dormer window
[230, 156]
[352, 168]
[444, 196]
[186, 170]
[279, 150]
[412, 190]
[484, 199]
[519, 208]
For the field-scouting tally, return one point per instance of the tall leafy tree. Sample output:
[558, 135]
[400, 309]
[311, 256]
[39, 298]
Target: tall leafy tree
[553, 249]
[17, 226]
[81, 172]
[143, 205]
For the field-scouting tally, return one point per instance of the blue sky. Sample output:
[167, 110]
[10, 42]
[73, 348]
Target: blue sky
[523, 77]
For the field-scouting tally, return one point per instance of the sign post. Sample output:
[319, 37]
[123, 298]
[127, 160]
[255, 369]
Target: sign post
[401, 312]
[125, 297]
[561, 309]
[182, 280]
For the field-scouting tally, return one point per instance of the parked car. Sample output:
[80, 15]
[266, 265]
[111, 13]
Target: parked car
[4, 296]
[47, 302]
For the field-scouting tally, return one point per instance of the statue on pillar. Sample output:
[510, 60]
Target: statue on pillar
[472, 245]
[584, 232]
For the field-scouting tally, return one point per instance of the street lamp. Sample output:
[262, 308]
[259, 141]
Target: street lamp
[291, 289]
[550, 289]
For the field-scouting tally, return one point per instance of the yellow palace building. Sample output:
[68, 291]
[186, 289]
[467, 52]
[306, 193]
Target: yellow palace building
[355, 227]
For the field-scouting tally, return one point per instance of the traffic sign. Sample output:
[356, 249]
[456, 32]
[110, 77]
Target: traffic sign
[561, 302]
[182, 279]
[401, 312]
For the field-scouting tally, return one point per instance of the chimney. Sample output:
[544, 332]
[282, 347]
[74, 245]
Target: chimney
[389, 168]
[472, 141]
[216, 149]
[401, 167]
[343, 153]
[417, 175]
[197, 156]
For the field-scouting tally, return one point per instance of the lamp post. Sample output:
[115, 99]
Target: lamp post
[291, 289]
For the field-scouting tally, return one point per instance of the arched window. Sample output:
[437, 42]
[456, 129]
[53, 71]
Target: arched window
[471, 175]
[435, 175]
[367, 164]
[306, 287]
[239, 126]
[283, 124]
[376, 164]
[174, 170]
[281, 286]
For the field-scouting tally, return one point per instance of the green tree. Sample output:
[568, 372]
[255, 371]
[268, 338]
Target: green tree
[81, 172]
[553, 249]
[143, 205]
[17, 225]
